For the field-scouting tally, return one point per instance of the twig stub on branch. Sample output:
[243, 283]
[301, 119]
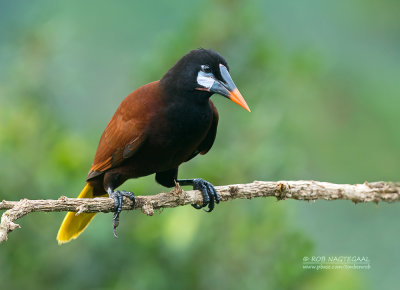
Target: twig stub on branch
[299, 190]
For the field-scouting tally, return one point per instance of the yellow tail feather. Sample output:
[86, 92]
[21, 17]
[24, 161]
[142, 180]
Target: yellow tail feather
[73, 225]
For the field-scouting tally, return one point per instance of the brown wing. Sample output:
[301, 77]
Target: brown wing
[126, 131]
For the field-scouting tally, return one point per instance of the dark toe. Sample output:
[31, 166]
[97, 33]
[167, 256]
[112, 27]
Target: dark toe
[215, 193]
[115, 223]
[199, 184]
[116, 195]
[129, 195]
[209, 193]
[118, 199]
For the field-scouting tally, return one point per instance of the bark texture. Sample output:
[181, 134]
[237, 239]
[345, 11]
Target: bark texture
[299, 190]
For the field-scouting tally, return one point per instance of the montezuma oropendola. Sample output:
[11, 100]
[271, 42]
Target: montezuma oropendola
[155, 129]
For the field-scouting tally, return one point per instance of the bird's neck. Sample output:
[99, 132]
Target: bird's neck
[187, 97]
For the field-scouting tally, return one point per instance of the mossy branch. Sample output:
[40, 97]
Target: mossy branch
[299, 190]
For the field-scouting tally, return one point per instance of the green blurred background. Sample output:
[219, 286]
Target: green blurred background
[322, 80]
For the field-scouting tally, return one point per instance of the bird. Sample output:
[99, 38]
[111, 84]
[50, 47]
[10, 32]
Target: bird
[154, 130]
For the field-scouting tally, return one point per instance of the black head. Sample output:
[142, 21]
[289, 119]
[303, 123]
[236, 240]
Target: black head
[201, 73]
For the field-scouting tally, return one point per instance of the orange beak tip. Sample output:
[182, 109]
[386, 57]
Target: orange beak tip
[236, 97]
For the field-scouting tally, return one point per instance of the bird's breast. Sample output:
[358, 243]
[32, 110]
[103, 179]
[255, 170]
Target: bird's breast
[178, 131]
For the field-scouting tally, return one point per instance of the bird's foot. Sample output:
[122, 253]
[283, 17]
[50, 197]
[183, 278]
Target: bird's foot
[118, 198]
[210, 194]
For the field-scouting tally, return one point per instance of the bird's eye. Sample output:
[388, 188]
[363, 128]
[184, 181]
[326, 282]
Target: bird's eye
[205, 68]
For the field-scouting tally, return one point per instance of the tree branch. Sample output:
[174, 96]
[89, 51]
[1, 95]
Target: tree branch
[299, 190]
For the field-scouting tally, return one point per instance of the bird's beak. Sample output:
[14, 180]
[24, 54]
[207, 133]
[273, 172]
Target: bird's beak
[228, 89]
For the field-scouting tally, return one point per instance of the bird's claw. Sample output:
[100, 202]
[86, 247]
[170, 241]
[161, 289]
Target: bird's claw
[210, 194]
[118, 198]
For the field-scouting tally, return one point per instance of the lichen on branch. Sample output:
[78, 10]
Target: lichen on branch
[299, 190]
